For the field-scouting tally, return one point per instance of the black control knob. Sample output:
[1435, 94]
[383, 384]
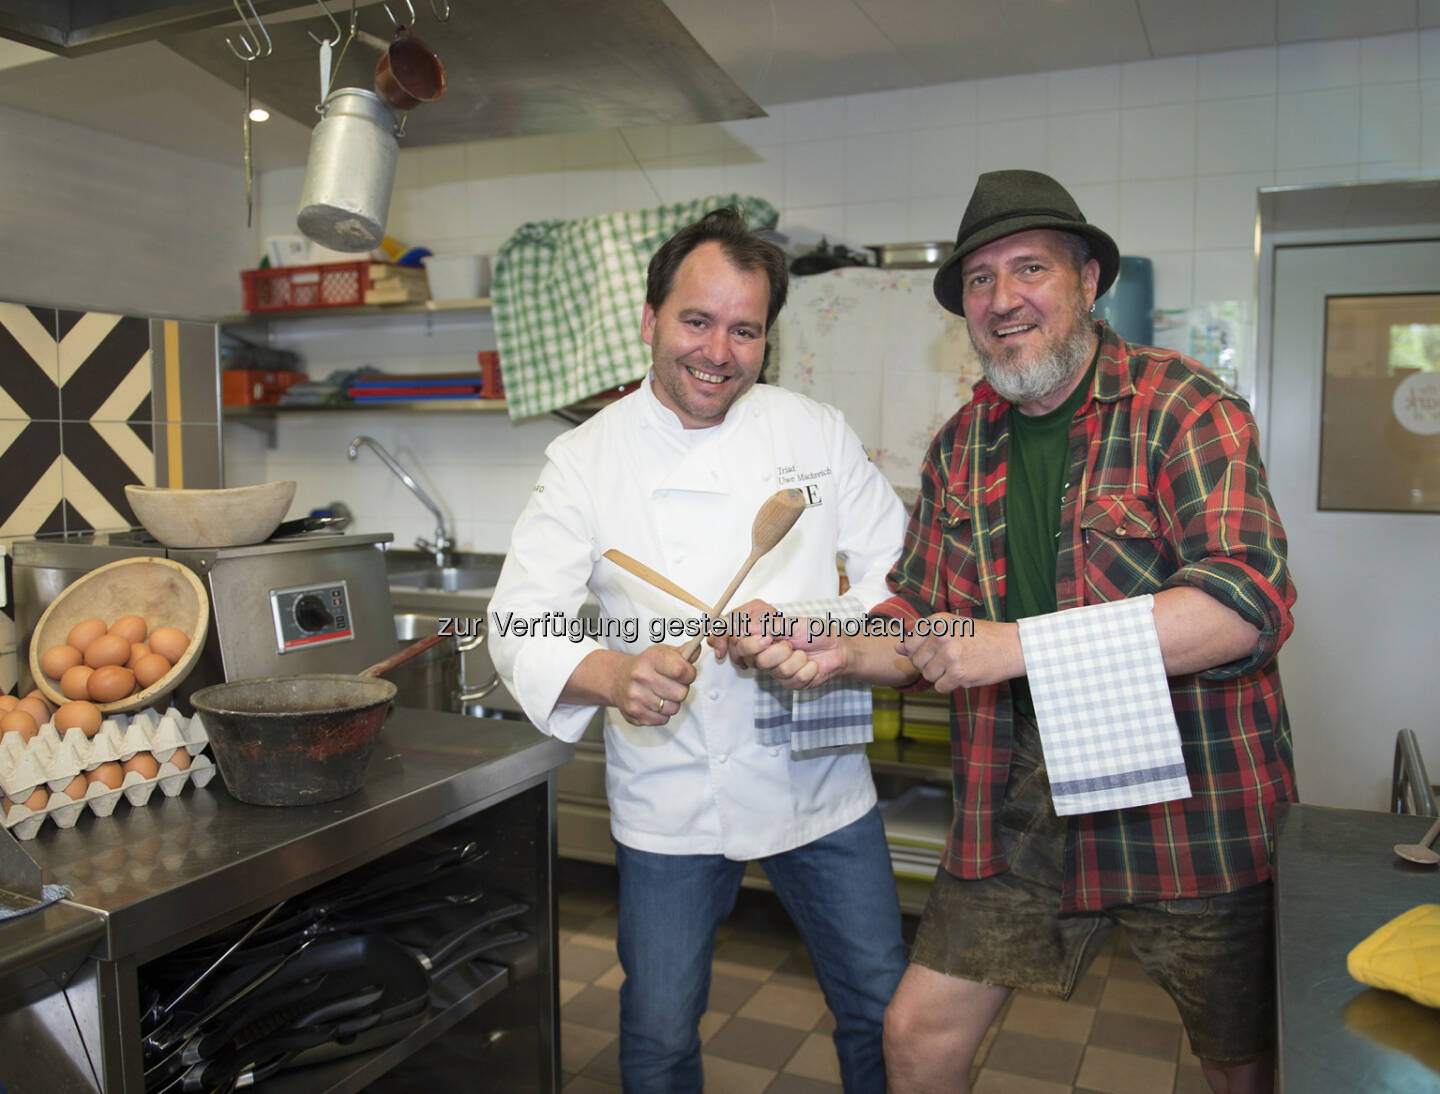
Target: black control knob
[312, 615]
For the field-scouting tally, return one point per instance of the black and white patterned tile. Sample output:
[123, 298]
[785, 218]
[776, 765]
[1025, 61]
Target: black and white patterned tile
[30, 479]
[29, 364]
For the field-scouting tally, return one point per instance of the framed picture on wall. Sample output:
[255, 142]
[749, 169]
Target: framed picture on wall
[1380, 417]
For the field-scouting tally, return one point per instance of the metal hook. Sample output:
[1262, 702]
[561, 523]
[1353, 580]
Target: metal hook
[316, 38]
[398, 22]
[249, 39]
[445, 6]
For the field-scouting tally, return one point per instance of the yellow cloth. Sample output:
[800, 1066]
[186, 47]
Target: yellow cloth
[1403, 956]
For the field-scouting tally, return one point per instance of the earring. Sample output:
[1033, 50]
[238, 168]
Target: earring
[1092, 309]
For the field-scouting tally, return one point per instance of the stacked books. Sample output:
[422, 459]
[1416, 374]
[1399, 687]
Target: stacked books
[916, 826]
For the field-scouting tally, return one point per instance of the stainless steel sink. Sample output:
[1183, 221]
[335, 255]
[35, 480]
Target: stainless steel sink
[452, 579]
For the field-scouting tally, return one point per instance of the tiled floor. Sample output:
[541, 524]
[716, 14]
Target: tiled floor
[768, 1029]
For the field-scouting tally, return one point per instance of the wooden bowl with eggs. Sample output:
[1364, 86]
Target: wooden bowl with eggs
[163, 593]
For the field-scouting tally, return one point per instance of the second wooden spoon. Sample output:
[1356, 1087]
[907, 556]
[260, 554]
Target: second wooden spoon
[775, 517]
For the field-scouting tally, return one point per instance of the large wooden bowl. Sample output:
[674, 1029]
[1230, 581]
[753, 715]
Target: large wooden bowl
[163, 592]
[228, 517]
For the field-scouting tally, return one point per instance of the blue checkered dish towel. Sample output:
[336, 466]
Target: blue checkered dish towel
[50, 894]
[834, 714]
[567, 297]
[1103, 706]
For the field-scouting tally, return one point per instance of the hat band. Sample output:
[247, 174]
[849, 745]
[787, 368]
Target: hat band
[1012, 214]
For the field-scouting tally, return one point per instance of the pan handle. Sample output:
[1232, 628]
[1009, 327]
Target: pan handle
[412, 650]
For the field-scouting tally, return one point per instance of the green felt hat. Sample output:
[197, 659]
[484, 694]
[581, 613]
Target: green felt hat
[1006, 202]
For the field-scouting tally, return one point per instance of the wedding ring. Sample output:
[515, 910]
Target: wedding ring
[661, 708]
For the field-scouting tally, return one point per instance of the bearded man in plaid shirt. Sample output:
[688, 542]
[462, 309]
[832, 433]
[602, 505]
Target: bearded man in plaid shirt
[1083, 472]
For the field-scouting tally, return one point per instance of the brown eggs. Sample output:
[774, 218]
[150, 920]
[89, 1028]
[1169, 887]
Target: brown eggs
[19, 721]
[81, 715]
[75, 684]
[111, 683]
[170, 642]
[130, 627]
[137, 651]
[150, 668]
[55, 660]
[8, 703]
[111, 774]
[75, 789]
[144, 763]
[85, 632]
[180, 758]
[107, 649]
[38, 709]
[36, 801]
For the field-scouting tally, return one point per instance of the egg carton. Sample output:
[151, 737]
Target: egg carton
[52, 759]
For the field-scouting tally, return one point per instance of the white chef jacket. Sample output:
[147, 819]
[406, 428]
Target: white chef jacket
[683, 501]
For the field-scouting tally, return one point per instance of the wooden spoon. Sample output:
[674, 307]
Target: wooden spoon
[415, 649]
[1420, 852]
[652, 577]
[774, 518]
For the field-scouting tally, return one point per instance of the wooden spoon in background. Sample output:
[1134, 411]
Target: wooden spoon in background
[774, 518]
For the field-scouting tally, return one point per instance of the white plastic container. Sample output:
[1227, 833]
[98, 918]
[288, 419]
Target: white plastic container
[458, 277]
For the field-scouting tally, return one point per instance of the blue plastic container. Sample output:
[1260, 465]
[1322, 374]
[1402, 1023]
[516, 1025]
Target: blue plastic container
[1129, 305]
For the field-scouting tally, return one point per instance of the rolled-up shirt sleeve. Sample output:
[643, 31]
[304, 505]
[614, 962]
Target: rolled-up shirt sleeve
[1218, 512]
[542, 587]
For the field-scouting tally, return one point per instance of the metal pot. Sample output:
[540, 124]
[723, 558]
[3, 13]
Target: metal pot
[911, 256]
[408, 73]
[350, 172]
[435, 680]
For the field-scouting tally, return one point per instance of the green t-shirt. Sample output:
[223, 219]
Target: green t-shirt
[1038, 466]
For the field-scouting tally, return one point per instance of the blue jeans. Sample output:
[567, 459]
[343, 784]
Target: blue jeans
[840, 893]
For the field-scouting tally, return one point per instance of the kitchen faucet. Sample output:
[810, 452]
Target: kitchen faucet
[444, 546]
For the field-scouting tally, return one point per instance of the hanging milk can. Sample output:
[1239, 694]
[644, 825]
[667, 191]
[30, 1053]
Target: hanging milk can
[350, 172]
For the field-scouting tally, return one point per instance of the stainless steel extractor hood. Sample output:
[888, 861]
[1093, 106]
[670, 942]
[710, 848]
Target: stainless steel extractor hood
[513, 67]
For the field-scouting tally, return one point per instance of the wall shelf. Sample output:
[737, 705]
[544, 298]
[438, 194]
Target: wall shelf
[375, 311]
[266, 412]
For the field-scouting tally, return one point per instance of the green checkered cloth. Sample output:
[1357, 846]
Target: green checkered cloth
[567, 296]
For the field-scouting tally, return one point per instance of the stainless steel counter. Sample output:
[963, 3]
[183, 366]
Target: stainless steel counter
[1337, 881]
[181, 868]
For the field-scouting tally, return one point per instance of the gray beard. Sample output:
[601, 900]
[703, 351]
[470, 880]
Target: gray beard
[1046, 375]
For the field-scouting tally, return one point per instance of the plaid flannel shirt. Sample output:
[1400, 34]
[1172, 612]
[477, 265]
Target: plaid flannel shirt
[1166, 489]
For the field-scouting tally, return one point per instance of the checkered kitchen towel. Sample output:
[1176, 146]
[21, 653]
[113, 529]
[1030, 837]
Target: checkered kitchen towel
[834, 714]
[1103, 707]
[567, 296]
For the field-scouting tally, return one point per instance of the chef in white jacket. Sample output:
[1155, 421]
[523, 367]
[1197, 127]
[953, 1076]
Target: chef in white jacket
[672, 475]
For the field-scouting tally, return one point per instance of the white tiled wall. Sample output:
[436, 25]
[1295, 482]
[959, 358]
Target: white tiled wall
[1166, 154]
[478, 468]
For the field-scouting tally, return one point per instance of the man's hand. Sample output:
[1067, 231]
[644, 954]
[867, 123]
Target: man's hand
[732, 647]
[956, 659]
[649, 687]
[777, 644]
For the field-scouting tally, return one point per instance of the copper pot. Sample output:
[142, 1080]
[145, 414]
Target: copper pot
[409, 73]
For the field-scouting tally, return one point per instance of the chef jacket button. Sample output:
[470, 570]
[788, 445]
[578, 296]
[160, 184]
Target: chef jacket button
[713, 695]
[775, 751]
[720, 759]
[679, 560]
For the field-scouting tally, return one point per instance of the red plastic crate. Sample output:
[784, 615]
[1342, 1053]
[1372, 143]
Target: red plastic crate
[295, 288]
